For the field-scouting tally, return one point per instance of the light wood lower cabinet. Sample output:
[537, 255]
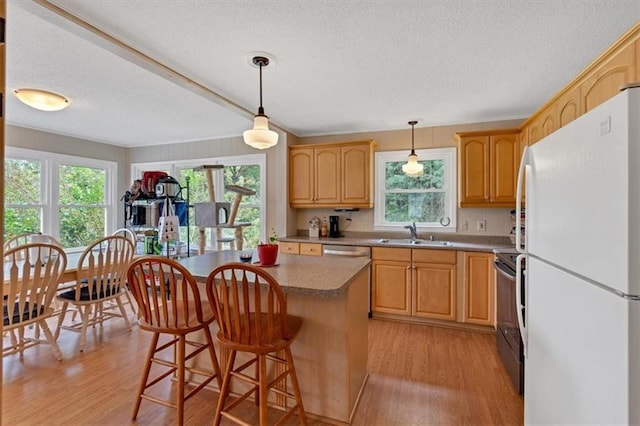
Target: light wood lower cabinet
[391, 280]
[391, 287]
[479, 289]
[414, 282]
[307, 249]
[434, 291]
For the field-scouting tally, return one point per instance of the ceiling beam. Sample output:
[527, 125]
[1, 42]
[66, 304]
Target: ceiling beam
[89, 32]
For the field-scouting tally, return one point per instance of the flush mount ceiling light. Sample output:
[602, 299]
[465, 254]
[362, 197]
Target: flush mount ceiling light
[260, 136]
[413, 168]
[42, 99]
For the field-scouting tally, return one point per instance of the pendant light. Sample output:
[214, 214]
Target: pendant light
[413, 168]
[260, 136]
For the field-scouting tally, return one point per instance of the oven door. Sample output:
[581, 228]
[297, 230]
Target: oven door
[506, 314]
[508, 340]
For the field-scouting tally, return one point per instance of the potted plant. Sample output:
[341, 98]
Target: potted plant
[268, 252]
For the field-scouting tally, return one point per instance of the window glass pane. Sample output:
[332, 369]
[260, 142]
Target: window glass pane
[21, 220]
[79, 226]
[433, 177]
[426, 207]
[81, 185]
[198, 193]
[247, 176]
[198, 190]
[22, 182]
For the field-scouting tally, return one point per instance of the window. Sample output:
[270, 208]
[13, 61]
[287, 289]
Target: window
[244, 170]
[23, 196]
[429, 200]
[71, 198]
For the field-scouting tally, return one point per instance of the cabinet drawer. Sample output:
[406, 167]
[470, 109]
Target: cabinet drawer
[388, 253]
[310, 249]
[289, 248]
[434, 256]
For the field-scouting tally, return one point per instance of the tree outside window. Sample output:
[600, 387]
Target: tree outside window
[22, 197]
[82, 205]
[428, 200]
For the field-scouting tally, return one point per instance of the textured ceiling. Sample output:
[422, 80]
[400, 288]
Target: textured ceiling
[340, 66]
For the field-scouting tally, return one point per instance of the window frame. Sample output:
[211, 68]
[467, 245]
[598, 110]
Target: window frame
[50, 184]
[218, 178]
[449, 156]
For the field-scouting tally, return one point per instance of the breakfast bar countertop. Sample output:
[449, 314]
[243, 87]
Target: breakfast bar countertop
[305, 275]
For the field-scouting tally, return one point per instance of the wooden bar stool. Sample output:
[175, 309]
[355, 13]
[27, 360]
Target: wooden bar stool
[251, 312]
[169, 303]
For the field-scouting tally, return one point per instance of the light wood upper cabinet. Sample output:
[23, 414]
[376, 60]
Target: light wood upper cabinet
[356, 174]
[301, 175]
[605, 81]
[487, 168]
[601, 80]
[569, 107]
[331, 175]
[479, 288]
[504, 160]
[473, 158]
[543, 125]
[327, 177]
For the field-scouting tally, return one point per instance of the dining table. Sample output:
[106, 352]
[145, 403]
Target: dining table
[69, 274]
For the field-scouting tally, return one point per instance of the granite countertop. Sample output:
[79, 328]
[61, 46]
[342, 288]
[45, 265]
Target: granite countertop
[305, 275]
[458, 242]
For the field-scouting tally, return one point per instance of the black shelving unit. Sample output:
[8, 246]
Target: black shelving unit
[184, 190]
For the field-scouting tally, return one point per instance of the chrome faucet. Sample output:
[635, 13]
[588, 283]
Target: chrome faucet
[412, 229]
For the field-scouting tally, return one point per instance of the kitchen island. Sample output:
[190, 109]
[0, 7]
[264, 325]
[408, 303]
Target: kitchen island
[330, 294]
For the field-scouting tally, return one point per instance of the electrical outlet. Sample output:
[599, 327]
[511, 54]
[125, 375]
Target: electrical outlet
[481, 225]
[464, 226]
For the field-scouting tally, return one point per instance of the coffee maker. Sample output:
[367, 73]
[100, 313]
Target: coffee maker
[334, 227]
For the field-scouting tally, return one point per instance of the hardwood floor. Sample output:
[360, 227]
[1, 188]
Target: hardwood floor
[419, 375]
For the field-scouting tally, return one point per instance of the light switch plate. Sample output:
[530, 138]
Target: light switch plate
[481, 225]
[605, 125]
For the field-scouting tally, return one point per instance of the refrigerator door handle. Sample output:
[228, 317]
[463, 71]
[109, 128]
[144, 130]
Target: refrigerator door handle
[524, 161]
[519, 305]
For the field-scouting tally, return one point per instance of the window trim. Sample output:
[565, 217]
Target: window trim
[49, 185]
[449, 155]
[235, 160]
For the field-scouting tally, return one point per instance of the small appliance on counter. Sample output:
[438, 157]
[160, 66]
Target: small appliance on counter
[314, 227]
[168, 187]
[334, 227]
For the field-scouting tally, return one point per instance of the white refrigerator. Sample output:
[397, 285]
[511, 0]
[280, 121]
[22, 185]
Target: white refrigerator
[581, 256]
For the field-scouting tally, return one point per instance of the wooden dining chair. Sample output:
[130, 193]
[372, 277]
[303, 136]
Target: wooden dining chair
[101, 277]
[169, 303]
[31, 278]
[128, 233]
[251, 311]
[26, 238]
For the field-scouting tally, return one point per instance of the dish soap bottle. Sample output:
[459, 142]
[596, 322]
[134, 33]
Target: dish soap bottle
[323, 228]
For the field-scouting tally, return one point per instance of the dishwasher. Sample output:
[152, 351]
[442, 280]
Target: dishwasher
[351, 251]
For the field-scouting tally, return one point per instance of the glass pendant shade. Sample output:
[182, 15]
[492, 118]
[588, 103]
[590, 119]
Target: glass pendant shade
[413, 168]
[260, 137]
[41, 99]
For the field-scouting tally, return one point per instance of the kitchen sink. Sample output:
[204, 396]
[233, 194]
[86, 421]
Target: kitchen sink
[418, 242]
